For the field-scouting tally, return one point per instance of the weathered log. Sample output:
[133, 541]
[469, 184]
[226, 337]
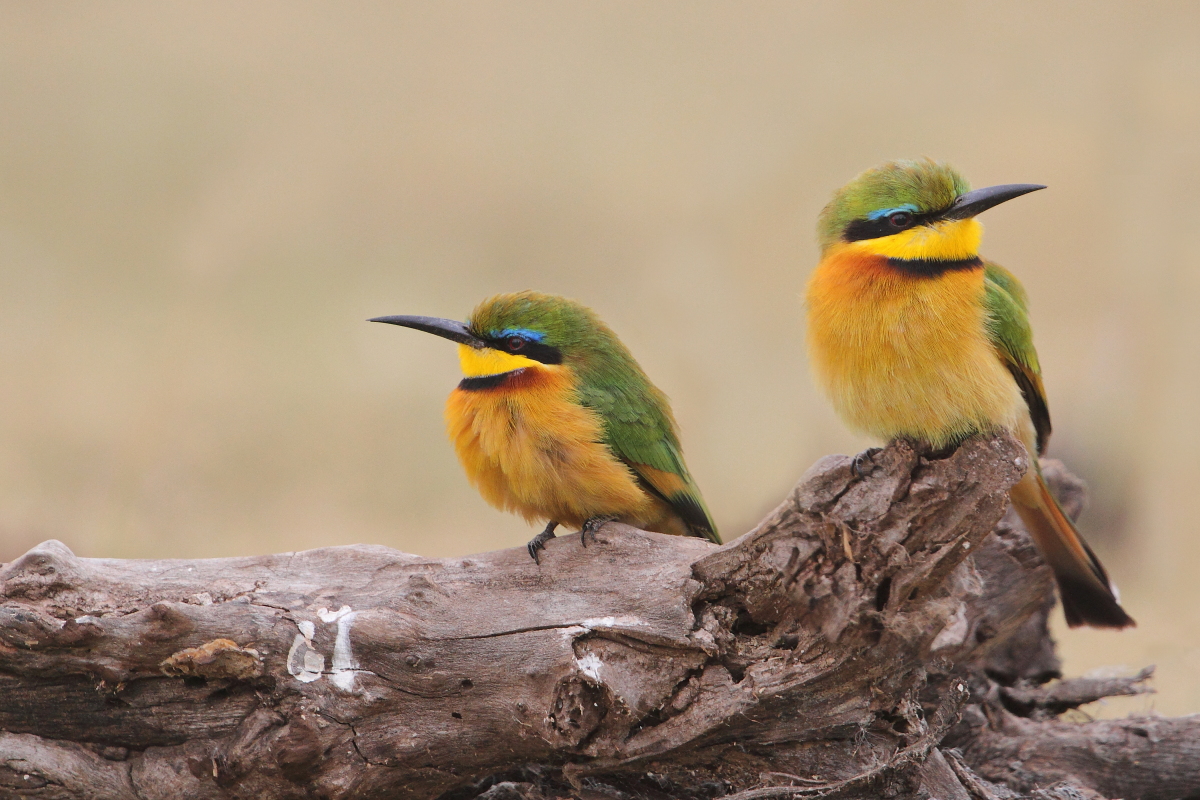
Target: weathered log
[1143, 757]
[829, 652]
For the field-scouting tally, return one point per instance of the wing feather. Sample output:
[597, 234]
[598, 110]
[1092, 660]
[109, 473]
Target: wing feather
[1012, 336]
[639, 429]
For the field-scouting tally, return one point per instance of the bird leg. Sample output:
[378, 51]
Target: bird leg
[539, 542]
[865, 457]
[591, 526]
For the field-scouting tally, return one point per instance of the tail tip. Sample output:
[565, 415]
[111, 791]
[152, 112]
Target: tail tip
[1087, 605]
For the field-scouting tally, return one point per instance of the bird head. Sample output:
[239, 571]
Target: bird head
[912, 211]
[523, 330]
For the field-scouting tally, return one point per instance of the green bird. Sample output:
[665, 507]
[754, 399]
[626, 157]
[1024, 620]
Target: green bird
[555, 421]
[914, 335]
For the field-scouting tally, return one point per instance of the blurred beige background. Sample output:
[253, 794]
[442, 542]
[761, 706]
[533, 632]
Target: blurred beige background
[200, 205]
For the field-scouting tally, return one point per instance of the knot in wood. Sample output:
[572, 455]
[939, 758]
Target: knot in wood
[42, 572]
[576, 710]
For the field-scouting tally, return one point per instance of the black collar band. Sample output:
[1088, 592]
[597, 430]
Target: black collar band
[488, 381]
[931, 267]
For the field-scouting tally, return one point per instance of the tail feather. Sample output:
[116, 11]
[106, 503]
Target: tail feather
[1088, 596]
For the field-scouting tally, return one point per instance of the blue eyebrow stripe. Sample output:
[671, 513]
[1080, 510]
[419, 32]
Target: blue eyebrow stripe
[883, 212]
[524, 333]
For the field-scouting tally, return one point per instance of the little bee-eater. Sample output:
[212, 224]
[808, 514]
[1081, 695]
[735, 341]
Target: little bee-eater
[913, 335]
[555, 420]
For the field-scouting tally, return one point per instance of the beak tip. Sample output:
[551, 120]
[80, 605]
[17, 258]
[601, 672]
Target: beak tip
[445, 328]
[979, 200]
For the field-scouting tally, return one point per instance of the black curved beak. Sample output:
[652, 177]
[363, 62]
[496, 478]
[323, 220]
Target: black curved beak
[980, 200]
[446, 328]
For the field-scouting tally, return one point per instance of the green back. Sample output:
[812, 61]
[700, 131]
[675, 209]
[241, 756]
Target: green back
[1011, 334]
[638, 425]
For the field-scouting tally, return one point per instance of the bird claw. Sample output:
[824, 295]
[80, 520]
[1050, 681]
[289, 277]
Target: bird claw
[539, 542]
[591, 526]
[865, 457]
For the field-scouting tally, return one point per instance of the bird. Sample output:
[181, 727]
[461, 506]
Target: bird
[554, 420]
[913, 335]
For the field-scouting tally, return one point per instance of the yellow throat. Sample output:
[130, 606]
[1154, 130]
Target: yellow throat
[954, 240]
[481, 362]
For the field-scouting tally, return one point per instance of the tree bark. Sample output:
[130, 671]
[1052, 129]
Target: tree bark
[874, 636]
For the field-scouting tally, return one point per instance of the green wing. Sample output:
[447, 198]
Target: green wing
[639, 429]
[1008, 327]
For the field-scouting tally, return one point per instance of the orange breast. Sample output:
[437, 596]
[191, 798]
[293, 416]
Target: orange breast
[903, 355]
[530, 448]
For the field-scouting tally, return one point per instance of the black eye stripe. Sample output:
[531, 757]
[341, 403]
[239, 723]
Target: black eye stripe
[542, 352]
[861, 229]
[527, 348]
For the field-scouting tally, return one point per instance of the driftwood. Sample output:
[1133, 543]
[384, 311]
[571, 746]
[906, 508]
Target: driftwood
[874, 637]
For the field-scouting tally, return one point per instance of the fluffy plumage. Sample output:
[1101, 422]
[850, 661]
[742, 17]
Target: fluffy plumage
[557, 422]
[913, 335]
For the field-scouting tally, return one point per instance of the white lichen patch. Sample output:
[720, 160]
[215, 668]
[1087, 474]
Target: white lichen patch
[303, 662]
[589, 665]
[955, 632]
[306, 664]
[344, 664]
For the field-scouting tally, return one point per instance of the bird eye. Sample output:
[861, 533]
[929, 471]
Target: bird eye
[515, 343]
[901, 219]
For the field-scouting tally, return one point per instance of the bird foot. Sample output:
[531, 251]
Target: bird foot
[539, 542]
[866, 457]
[591, 526]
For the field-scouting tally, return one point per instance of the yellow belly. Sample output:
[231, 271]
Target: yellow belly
[908, 356]
[530, 449]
